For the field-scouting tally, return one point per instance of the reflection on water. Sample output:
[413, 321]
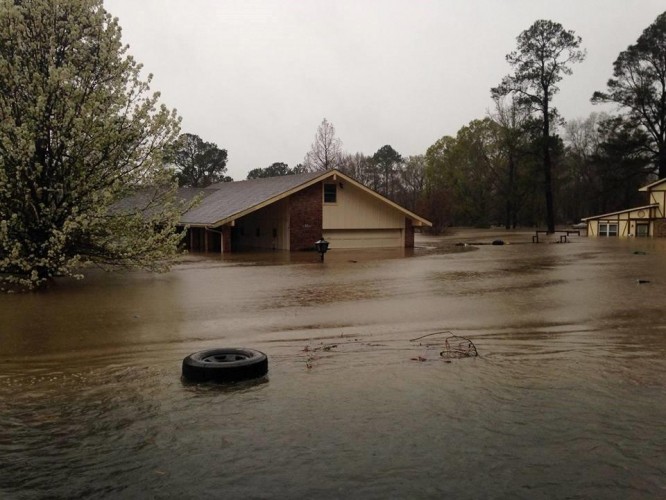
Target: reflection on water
[565, 400]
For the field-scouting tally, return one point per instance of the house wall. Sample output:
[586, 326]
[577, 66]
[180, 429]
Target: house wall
[213, 241]
[356, 219]
[356, 209]
[659, 197]
[622, 230]
[265, 229]
[305, 217]
[658, 228]
[627, 222]
[364, 238]
[359, 220]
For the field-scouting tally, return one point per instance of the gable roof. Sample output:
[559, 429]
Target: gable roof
[652, 185]
[228, 201]
[225, 200]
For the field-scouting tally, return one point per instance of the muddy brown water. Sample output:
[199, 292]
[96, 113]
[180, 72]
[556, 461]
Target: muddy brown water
[567, 398]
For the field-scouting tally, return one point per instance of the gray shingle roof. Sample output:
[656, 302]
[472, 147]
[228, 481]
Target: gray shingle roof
[225, 199]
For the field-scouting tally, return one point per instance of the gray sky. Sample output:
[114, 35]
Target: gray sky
[257, 77]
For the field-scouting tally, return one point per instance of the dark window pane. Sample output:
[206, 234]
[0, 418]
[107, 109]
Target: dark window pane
[330, 193]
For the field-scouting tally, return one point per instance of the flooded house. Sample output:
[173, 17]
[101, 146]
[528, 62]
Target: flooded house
[644, 221]
[291, 212]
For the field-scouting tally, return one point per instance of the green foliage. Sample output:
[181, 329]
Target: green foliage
[198, 163]
[515, 136]
[606, 163]
[438, 198]
[412, 183]
[273, 170]
[468, 166]
[388, 162]
[544, 52]
[639, 87]
[79, 132]
[484, 176]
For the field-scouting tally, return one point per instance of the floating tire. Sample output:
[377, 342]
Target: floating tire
[225, 365]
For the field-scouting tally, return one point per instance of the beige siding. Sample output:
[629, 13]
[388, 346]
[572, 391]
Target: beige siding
[627, 222]
[659, 197]
[593, 227]
[365, 238]
[267, 228]
[356, 209]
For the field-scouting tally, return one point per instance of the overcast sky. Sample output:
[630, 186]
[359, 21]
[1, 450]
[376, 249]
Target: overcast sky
[257, 77]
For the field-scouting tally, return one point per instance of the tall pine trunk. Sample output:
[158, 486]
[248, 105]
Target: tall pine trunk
[547, 168]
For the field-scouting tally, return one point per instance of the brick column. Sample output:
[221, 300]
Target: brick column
[305, 217]
[409, 233]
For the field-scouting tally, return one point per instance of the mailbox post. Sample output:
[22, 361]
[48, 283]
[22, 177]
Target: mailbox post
[322, 247]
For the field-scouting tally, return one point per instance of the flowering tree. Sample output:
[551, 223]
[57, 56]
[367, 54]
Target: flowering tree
[80, 134]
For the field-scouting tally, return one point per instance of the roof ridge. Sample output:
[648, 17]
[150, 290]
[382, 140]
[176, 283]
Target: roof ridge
[218, 185]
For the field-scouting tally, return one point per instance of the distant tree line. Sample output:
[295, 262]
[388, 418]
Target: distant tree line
[523, 164]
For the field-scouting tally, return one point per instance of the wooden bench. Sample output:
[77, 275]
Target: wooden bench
[563, 237]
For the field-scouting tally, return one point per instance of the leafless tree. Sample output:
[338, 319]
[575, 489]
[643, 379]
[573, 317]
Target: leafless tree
[326, 150]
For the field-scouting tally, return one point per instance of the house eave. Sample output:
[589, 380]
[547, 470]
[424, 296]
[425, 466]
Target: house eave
[335, 175]
[416, 219]
[619, 212]
[650, 186]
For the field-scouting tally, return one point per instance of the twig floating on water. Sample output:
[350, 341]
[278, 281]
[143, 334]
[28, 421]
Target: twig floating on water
[431, 334]
[455, 347]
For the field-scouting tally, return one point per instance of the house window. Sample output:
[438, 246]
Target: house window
[330, 193]
[258, 232]
[642, 230]
[607, 229]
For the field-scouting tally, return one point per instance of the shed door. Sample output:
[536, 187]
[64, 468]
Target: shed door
[364, 238]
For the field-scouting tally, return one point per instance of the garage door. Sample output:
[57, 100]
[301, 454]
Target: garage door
[364, 238]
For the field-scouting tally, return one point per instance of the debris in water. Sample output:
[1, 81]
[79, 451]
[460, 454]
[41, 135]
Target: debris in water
[455, 347]
[311, 355]
[458, 347]
[642, 282]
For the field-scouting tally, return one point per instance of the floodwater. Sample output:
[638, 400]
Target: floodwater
[566, 400]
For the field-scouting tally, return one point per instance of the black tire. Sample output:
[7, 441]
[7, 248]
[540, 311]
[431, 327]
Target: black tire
[225, 365]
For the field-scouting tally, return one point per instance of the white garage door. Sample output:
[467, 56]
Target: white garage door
[364, 238]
